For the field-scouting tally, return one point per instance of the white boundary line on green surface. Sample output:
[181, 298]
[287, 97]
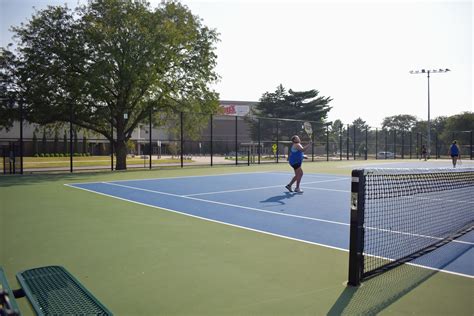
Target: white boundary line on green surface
[248, 228]
[252, 229]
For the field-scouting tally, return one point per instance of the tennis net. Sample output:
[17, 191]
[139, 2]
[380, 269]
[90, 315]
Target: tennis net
[398, 215]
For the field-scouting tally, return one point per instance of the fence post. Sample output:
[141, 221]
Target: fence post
[111, 145]
[236, 147]
[347, 145]
[376, 142]
[340, 142]
[277, 139]
[21, 136]
[411, 140]
[354, 143]
[366, 141]
[471, 146]
[181, 114]
[327, 143]
[394, 144]
[71, 145]
[403, 144]
[212, 141]
[259, 138]
[151, 151]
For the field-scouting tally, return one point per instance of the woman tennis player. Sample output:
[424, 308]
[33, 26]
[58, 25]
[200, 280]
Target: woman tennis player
[454, 153]
[295, 158]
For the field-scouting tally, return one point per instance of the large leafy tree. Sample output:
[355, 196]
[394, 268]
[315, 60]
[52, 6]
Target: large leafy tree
[113, 62]
[459, 127]
[302, 106]
[8, 108]
[399, 122]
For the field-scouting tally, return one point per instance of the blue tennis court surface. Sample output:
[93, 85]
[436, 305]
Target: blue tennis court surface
[260, 202]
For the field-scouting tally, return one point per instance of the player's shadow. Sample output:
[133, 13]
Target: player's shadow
[377, 293]
[279, 198]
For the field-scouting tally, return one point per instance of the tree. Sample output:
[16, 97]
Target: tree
[402, 122]
[8, 111]
[112, 58]
[303, 106]
[458, 127]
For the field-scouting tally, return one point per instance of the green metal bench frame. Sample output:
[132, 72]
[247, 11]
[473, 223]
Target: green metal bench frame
[52, 290]
[9, 307]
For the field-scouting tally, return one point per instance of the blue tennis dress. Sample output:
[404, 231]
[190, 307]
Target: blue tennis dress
[296, 156]
[454, 150]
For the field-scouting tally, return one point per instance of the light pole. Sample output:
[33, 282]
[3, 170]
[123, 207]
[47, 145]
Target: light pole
[427, 72]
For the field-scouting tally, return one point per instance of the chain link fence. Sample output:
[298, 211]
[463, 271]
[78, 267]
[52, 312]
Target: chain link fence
[190, 139]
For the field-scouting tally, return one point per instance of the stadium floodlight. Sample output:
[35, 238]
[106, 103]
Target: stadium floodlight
[428, 71]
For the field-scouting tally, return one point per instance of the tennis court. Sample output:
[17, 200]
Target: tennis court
[220, 241]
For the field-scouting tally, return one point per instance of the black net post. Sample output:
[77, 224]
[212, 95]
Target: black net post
[356, 244]
[411, 140]
[386, 143]
[436, 146]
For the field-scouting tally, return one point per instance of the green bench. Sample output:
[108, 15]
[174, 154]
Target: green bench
[52, 290]
[8, 305]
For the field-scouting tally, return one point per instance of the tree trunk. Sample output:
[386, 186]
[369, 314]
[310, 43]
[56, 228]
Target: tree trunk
[121, 155]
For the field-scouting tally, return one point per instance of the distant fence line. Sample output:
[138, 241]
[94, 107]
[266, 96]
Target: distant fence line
[220, 139]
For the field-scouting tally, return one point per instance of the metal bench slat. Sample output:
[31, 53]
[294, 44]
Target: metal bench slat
[52, 290]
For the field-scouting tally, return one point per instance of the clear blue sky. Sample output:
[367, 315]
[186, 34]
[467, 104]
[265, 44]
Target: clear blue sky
[357, 52]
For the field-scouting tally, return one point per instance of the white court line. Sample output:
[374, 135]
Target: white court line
[228, 204]
[250, 229]
[325, 189]
[182, 177]
[260, 188]
[209, 220]
[283, 214]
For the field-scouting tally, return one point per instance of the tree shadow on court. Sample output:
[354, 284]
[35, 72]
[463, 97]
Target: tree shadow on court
[279, 198]
[376, 294]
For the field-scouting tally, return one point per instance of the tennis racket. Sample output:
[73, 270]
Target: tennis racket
[308, 129]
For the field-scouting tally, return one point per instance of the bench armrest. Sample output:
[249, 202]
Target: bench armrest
[8, 305]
